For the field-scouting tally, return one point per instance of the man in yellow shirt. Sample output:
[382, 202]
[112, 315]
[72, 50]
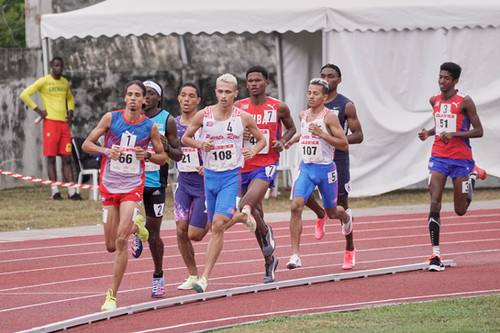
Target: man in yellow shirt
[58, 103]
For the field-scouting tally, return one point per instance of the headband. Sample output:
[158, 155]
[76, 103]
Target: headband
[153, 85]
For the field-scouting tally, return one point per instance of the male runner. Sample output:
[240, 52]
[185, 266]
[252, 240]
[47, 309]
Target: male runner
[320, 135]
[454, 113]
[223, 155]
[155, 184]
[258, 173]
[345, 110]
[127, 135]
[189, 204]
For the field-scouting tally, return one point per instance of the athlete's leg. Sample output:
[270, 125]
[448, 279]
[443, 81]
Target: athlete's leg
[127, 212]
[214, 248]
[461, 188]
[156, 245]
[186, 247]
[437, 182]
[313, 205]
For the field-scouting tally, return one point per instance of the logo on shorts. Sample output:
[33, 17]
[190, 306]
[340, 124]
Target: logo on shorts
[157, 192]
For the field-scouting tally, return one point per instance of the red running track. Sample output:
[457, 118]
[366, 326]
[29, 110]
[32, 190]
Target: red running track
[51, 280]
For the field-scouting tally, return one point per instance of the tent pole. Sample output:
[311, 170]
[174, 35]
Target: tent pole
[279, 66]
[324, 59]
[182, 48]
[45, 56]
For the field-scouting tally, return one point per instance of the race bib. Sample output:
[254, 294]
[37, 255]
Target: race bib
[311, 151]
[223, 157]
[127, 163]
[445, 122]
[150, 166]
[250, 143]
[189, 160]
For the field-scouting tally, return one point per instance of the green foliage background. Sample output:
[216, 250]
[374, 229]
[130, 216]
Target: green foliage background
[12, 24]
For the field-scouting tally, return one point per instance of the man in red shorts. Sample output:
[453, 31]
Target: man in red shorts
[59, 104]
[127, 135]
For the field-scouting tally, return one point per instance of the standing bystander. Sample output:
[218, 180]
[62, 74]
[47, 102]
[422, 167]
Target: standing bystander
[58, 103]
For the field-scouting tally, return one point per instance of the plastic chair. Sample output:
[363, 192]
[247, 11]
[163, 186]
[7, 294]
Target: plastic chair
[93, 172]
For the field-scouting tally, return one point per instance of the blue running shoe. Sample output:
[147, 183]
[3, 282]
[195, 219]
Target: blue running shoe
[158, 287]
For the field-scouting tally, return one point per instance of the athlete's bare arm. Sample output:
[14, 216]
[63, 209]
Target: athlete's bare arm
[285, 117]
[356, 135]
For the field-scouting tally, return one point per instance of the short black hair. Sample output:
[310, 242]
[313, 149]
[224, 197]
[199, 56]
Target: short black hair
[138, 83]
[332, 66]
[451, 67]
[258, 69]
[57, 58]
[192, 85]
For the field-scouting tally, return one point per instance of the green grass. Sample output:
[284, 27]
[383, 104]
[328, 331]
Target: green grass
[31, 207]
[478, 314]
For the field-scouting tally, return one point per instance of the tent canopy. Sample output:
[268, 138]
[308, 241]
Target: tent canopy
[389, 52]
[131, 17]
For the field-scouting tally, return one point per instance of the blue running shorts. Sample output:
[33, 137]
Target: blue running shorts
[266, 173]
[451, 167]
[322, 175]
[221, 190]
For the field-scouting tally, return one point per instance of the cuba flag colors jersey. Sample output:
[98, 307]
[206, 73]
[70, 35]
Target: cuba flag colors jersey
[447, 118]
[266, 117]
[227, 139]
[127, 173]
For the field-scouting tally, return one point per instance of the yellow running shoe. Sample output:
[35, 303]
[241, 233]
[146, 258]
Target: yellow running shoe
[143, 233]
[110, 303]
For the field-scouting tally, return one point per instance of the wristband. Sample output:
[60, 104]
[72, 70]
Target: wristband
[106, 153]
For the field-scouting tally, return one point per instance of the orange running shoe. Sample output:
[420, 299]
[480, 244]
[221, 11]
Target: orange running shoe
[481, 173]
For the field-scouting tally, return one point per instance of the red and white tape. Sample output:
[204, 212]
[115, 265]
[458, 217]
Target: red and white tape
[45, 181]
[50, 182]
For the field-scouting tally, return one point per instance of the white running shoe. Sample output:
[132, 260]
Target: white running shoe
[250, 222]
[294, 262]
[188, 284]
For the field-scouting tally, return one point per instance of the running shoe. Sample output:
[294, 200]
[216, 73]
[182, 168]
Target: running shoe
[479, 173]
[270, 269]
[349, 259]
[76, 197]
[188, 284]
[294, 262]
[319, 232]
[110, 303]
[143, 233]
[57, 196]
[250, 222]
[201, 285]
[435, 264]
[137, 238]
[268, 243]
[158, 287]
[136, 246]
[347, 227]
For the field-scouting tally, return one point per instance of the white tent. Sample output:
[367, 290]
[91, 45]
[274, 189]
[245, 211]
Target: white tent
[389, 52]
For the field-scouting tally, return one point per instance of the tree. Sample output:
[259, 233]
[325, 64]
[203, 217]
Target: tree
[12, 24]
